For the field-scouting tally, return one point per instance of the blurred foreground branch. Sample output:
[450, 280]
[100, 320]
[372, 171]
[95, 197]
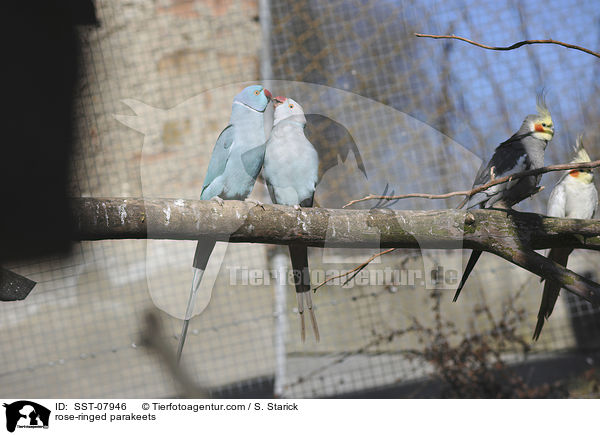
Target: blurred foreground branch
[14, 287]
[513, 46]
[152, 332]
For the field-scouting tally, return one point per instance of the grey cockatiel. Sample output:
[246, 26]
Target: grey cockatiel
[523, 151]
[576, 197]
[290, 170]
[234, 165]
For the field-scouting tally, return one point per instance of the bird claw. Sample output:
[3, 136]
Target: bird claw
[297, 207]
[218, 200]
[256, 202]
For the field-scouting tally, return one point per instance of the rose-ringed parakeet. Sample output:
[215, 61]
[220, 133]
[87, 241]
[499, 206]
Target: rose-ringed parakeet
[291, 170]
[234, 165]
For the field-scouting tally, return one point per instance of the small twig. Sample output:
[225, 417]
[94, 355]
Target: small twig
[513, 46]
[357, 269]
[468, 193]
[410, 195]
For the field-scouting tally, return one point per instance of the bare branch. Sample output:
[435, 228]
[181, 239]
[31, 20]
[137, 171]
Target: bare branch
[411, 195]
[495, 181]
[356, 270]
[540, 265]
[513, 46]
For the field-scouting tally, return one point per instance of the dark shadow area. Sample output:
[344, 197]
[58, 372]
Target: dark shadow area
[257, 388]
[42, 54]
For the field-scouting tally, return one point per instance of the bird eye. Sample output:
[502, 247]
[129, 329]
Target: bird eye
[291, 106]
[257, 92]
[544, 124]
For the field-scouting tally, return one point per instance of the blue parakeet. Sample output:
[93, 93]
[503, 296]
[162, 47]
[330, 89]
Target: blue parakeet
[235, 163]
[291, 171]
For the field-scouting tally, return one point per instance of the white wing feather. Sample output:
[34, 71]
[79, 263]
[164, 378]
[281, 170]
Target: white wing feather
[557, 201]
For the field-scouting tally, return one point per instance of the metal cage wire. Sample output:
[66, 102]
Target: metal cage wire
[423, 114]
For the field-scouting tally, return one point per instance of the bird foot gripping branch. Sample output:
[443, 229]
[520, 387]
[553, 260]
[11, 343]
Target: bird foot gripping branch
[255, 202]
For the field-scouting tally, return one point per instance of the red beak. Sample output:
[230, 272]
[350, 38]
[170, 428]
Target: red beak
[267, 94]
[278, 100]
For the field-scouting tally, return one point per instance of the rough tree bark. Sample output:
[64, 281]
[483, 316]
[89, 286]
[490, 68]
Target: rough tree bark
[509, 234]
[241, 222]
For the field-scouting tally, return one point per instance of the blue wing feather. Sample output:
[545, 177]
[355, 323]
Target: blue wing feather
[219, 157]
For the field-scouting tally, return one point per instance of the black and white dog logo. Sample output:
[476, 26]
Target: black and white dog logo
[26, 414]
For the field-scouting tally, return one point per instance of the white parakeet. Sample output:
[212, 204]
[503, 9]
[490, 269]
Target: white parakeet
[576, 197]
[290, 170]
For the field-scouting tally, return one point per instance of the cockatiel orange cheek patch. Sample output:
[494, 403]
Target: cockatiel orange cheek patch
[574, 173]
[538, 127]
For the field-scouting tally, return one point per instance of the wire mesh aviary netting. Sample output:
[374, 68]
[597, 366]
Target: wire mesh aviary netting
[389, 113]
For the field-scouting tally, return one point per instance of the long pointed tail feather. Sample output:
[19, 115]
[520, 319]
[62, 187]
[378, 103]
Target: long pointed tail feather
[189, 311]
[203, 250]
[299, 257]
[470, 265]
[551, 290]
[300, 299]
[313, 317]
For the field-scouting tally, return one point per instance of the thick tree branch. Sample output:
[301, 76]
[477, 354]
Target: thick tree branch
[509, 234]
[513, 46]
[542, 266]
[495, 181]
[242, 222]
